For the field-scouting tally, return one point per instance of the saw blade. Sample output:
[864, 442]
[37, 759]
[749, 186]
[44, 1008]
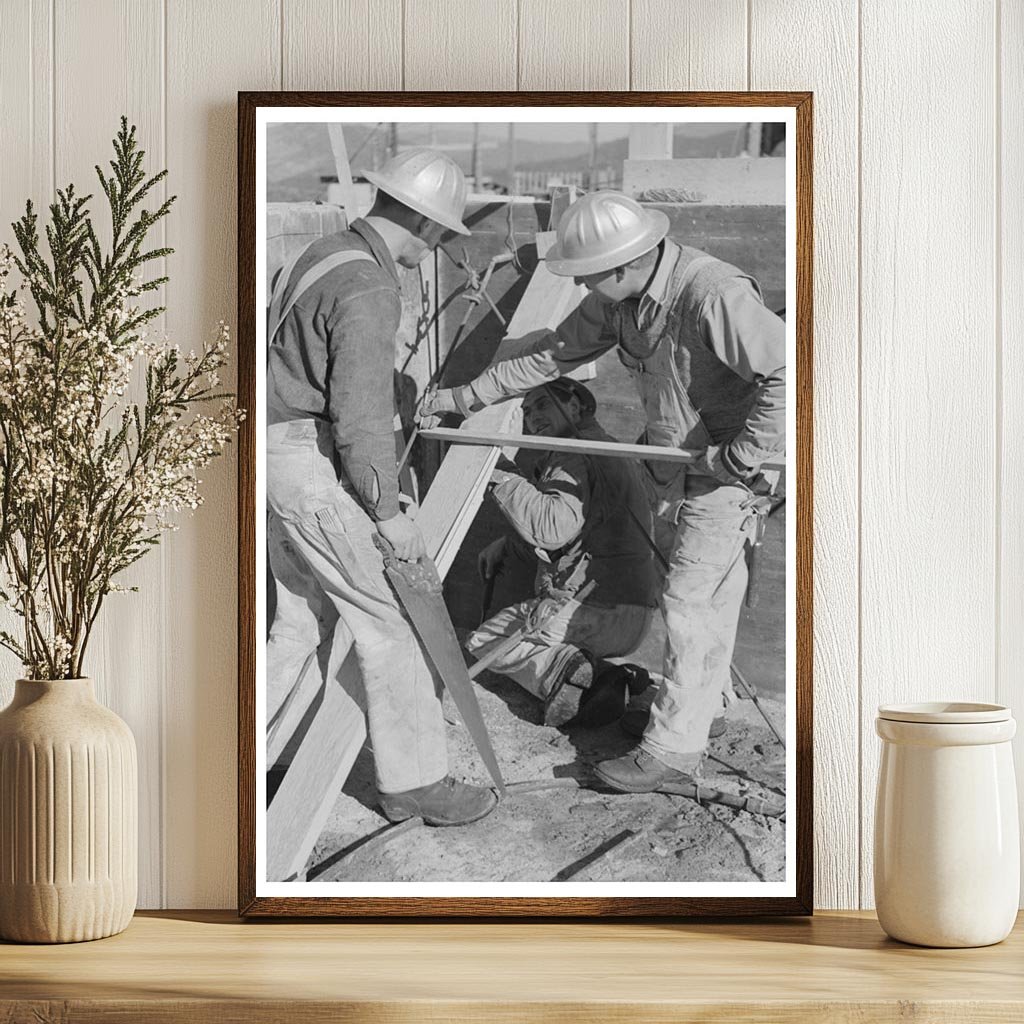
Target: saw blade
[418, 588]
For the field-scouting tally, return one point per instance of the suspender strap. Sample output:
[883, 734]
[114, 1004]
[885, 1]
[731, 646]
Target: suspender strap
[281, 307]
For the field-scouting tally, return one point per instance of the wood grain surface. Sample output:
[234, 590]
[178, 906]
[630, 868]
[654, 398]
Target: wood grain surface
[918, 157]
[208, 967]
[832, 74]
[928, 370]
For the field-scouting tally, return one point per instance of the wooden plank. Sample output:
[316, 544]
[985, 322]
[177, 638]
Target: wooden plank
[456, 491]
[336, 133]
[212, 51]
[574, 44]
[831, 72]
[690, 44]
[341, 44]
[26, 84]
[460, 44]
[303, 802]
[928, 344]
[470, 435]
[126, 655]
[211, 968]
[1010, 257]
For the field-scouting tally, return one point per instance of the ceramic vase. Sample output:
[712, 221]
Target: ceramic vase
[947, 846]
[68, 815]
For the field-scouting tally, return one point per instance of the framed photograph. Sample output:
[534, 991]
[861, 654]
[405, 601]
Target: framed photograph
[525, 504]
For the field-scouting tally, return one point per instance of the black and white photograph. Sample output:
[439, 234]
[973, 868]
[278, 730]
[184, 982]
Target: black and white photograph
[525, 572]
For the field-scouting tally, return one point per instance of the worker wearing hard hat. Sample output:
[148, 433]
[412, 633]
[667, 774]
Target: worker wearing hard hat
[332, 481]
[709, 361]
[573, 516]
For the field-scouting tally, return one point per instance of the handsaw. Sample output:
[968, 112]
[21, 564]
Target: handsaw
[418, 588]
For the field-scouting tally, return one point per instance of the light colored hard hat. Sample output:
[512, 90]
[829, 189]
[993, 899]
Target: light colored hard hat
[601, 231]
[428, 182]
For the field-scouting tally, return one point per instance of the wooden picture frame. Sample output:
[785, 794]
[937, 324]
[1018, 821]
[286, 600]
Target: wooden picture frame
[253, 898]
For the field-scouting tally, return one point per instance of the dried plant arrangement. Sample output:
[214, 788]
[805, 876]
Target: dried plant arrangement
[103, 428]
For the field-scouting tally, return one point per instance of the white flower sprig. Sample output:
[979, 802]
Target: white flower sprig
[89, 478]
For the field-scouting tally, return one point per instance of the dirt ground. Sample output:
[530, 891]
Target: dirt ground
[571, 834]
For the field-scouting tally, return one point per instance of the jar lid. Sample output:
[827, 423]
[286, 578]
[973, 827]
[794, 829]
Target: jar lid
[945, 713]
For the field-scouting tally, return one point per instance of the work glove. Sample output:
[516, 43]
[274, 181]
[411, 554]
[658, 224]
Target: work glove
[490, 559]
[436, 403]
[404, 536]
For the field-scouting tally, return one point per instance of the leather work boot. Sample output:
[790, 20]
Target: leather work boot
[574, 678]
[639, 772]
[605, 701]
[446, 802]
[634, 722]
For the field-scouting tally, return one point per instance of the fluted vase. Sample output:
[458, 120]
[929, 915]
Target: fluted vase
[68, 815]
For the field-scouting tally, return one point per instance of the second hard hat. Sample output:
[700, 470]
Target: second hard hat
[601, 231]
[428, 182]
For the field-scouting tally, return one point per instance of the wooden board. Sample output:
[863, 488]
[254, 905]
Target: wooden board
[458, 488]
[466, 45]
[832, 74]
[1011, 276]
[929, 557]
[227, 46]
[131, 672]
[690, 44]
[302, 803]
[583, 446]
[209, 968]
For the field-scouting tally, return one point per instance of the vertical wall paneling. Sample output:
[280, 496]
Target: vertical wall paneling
[123, 658]
[831, 72]
[342, 44]
[689, 44]
[460, 44]
[573, 44]
[928, 411]
[1010, 256]
[26, 107]
[919, 500]
[213, 51]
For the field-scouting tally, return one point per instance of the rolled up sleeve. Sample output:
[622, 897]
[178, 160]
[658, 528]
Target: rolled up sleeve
[550, 513]
[751, 340]
[360, 374]
[579, 339]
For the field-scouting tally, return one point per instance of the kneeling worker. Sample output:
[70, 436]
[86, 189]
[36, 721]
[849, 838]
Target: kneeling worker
[576, 513]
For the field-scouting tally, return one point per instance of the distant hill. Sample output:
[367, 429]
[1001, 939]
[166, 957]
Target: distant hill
[299, 155]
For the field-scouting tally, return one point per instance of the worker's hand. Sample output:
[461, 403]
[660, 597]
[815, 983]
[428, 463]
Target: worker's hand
[491, 559]
[436, 402]
[714, 463]
[404, 537]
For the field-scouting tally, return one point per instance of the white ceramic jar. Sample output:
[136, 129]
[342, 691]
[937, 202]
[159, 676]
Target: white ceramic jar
[947, 846]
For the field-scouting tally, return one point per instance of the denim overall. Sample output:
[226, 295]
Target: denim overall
[692, 400]
[330, 584]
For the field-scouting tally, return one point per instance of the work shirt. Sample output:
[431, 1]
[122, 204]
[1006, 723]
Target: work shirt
[576, 509]
[733, 323]
[333, 360]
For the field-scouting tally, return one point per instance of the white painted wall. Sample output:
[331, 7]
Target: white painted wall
[919, 321]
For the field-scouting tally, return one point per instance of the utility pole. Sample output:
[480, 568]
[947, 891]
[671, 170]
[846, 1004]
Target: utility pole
[753, 139]
[477, 160]
[512, 159]
[592, 164]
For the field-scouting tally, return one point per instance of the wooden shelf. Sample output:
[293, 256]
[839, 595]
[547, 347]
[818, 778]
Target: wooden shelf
[210, 967]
